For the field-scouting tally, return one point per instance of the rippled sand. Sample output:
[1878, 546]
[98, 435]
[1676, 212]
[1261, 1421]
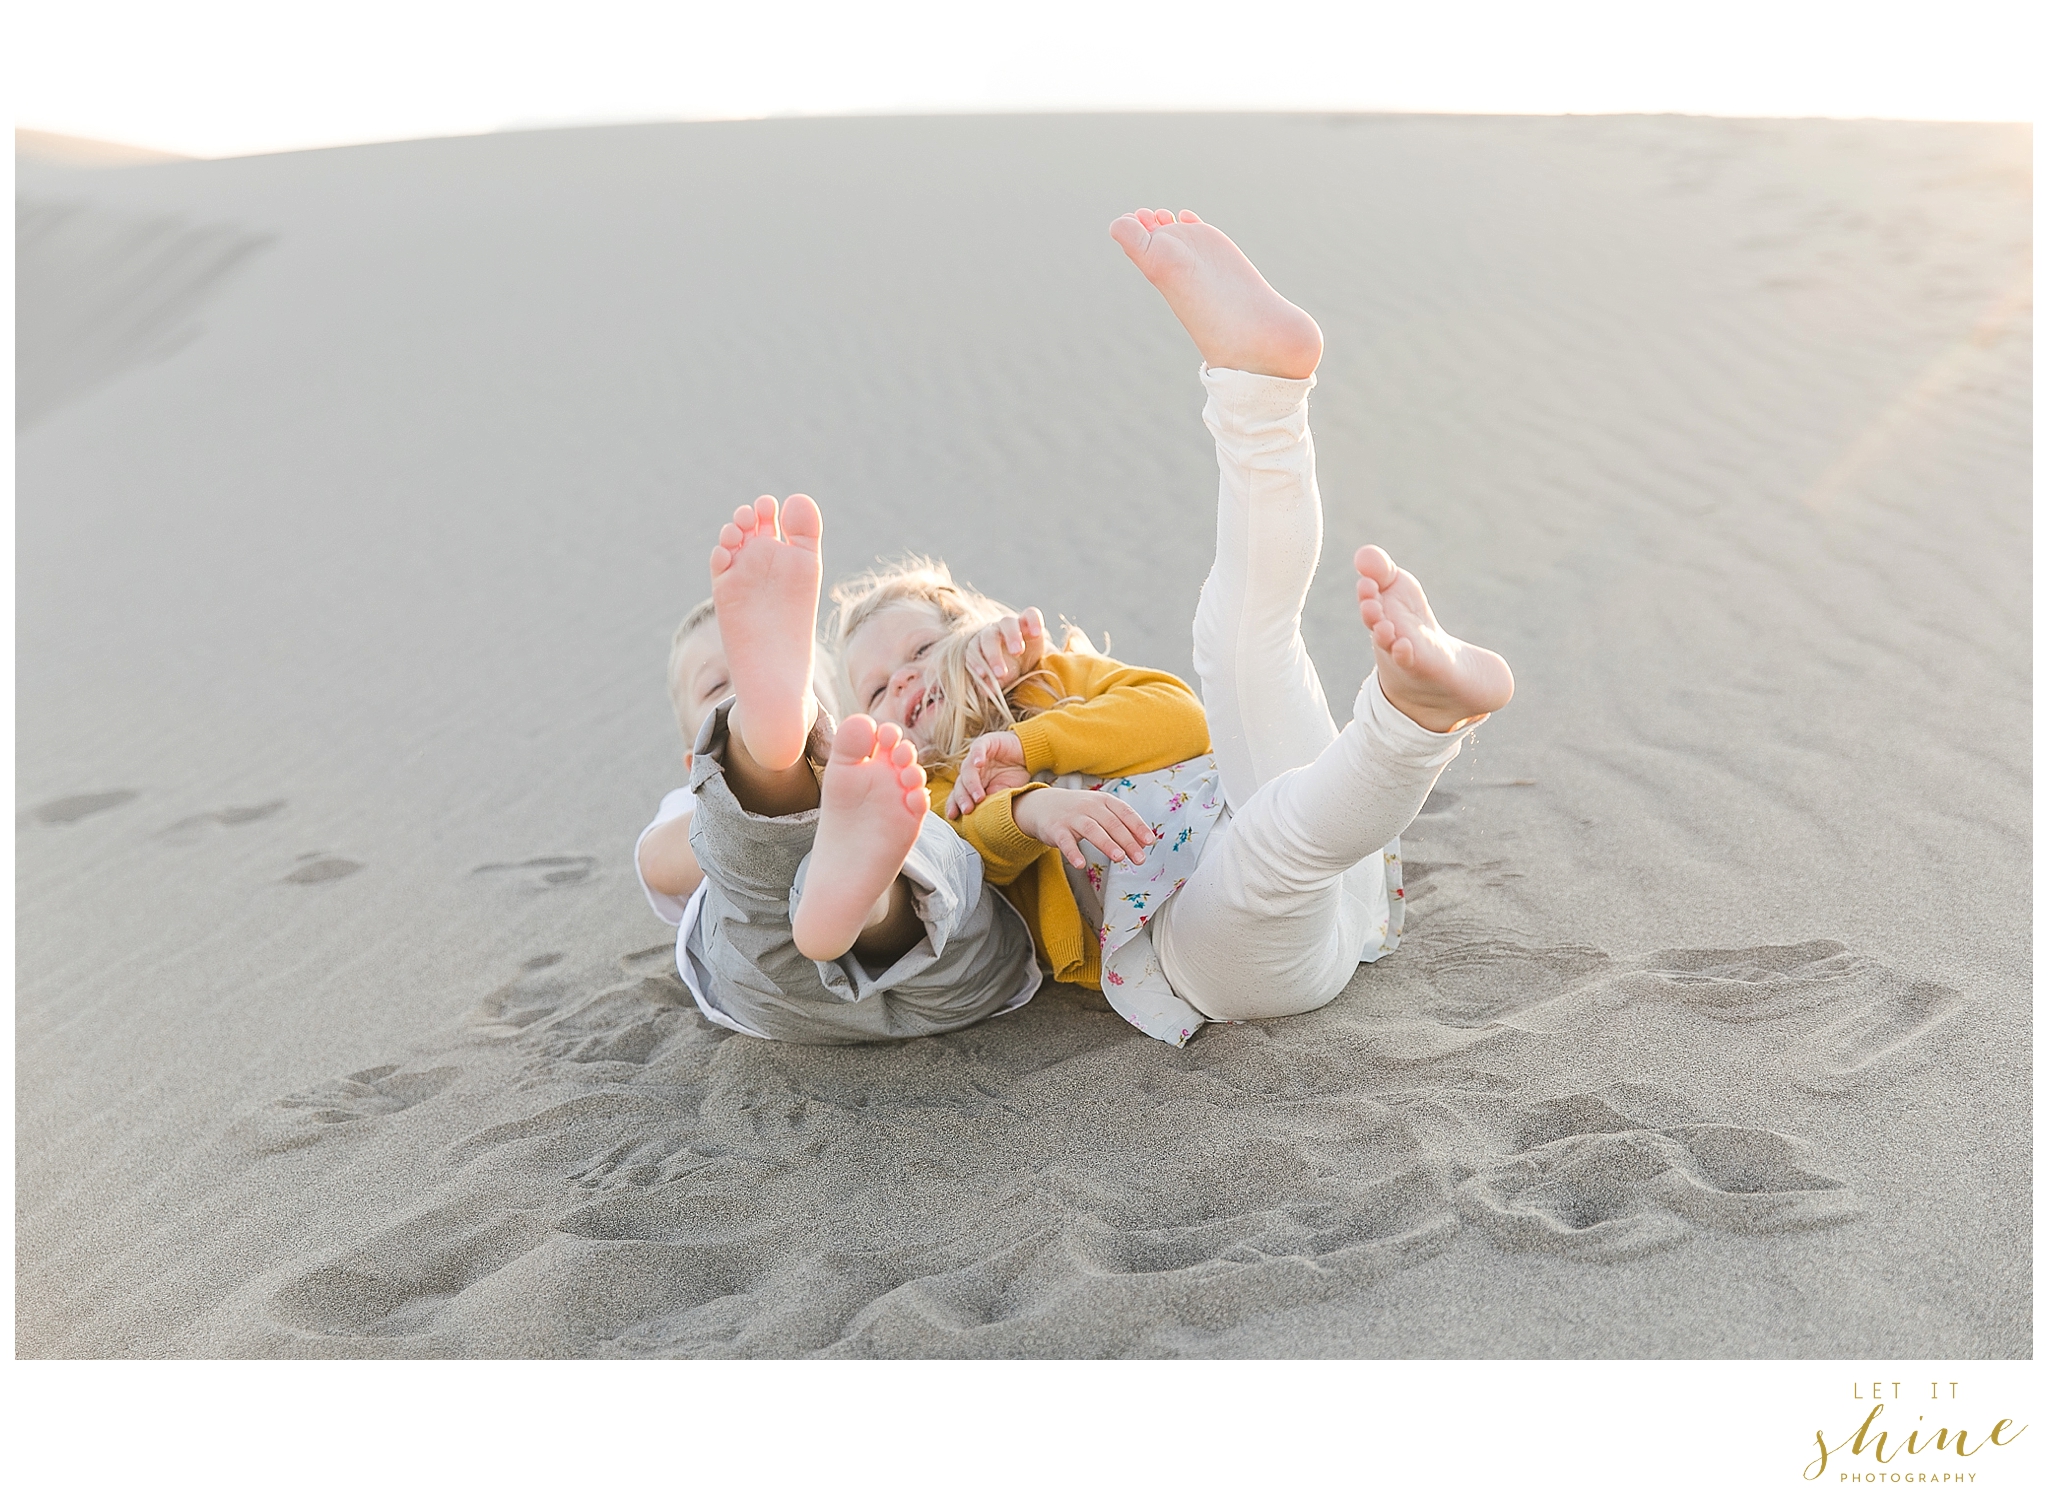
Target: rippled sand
[359, 490]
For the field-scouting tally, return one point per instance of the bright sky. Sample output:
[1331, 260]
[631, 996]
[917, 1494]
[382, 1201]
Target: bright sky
[225, 77]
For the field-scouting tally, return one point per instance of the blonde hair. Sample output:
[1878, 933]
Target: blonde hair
[967, 708]
[912, 579]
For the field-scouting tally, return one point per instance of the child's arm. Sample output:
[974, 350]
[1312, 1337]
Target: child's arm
[1130, 720]
[1011, 829]
[667, 862]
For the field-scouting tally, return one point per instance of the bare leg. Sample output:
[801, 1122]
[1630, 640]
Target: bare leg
[765, 579]
[1236, 319]
[893, 928]
[873, 804]
[1274, 919]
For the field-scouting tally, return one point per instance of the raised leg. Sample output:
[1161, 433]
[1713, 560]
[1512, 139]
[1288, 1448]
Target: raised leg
[873, 804]
[765, 573]
[1275, 918]
[1273, 921]
[1267, 712]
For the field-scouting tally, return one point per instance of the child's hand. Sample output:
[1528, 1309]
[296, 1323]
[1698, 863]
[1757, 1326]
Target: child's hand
[1054, 815]
[1004, 650]
[993, 763]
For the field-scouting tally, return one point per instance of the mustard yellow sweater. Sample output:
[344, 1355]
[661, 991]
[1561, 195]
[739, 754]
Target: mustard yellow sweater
[1129, 719]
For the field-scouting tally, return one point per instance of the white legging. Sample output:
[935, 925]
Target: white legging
[1275, 917]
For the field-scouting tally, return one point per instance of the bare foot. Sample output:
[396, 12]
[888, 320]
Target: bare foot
[1238, 321]
[1439, 681]
[872, 803]
[766, 585]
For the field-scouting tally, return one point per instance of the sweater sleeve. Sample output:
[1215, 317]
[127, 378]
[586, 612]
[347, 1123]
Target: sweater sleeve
[1129, 719]
[1006, 850]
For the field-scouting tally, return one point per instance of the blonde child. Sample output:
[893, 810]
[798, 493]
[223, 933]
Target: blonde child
[729, 856]
[1276, 876]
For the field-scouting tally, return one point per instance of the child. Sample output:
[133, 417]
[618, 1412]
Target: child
[817, 898]
[1281, 871]
[1085, 719]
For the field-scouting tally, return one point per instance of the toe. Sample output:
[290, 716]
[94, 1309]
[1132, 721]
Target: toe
[855, 738]
[801, 522]
[1187, 217]
[1374, 563]
[1129, 233]
[721, 558]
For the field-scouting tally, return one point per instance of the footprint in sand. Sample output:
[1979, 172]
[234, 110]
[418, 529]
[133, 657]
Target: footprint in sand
[658, 962]
[308, 1116]
[399, 1283]
[623, 1024]
[75, 809]
[1861, 1020]
[191, 830]
[1613, 1190]
[544, 871]
[587, 1016]
[319, 869]
[541, 989]
[654, 1184]
[1479, 983]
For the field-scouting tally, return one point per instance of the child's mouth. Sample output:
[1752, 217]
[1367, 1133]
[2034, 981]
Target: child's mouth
[931, 696]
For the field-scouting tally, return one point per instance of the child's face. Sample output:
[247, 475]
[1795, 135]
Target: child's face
[885, 663]
[704, 676]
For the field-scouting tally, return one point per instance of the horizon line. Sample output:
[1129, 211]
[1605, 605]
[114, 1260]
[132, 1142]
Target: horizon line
[143, 152]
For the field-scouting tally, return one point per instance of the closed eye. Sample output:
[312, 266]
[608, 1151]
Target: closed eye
[917, 655]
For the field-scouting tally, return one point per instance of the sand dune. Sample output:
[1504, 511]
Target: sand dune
[77, 152]
[359, 489]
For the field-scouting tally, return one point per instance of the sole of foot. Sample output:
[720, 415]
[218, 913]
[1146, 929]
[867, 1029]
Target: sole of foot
[765, 573]
[871, 805]
[1439, 681]
[1236, 319]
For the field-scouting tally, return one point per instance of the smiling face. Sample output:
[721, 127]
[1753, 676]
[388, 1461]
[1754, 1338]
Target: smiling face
[886, 667]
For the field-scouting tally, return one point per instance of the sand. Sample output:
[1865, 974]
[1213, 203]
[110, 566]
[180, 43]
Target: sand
[360, 489]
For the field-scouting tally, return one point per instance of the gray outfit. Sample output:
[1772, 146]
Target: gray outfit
[975, 959]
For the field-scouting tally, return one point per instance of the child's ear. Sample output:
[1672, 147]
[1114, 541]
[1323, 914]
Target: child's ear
[689, 759]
